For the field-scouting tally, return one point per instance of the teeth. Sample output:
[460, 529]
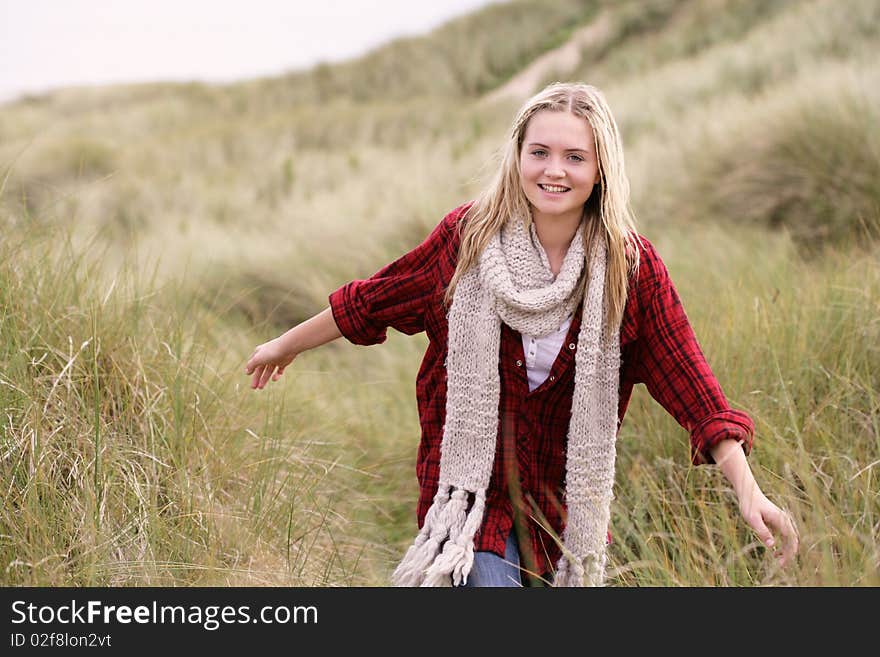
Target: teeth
[553, 188]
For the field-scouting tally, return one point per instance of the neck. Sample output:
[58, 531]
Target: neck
[556, 233]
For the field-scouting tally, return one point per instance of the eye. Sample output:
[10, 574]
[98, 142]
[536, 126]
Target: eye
[577, 158]
[539, 151]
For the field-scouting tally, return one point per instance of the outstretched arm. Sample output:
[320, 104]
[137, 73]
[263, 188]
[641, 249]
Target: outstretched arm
[678, 376]
[767, 519]
[270, 358]
[362, 309]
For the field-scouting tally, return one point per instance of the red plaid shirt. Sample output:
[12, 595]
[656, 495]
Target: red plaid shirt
[658, 348]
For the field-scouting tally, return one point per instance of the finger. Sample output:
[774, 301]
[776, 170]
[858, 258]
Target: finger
[267, 374]
[783, 524]
[250, 365]
[763, 532]
[790, 537]
[278, 373]
[256, 378]
[785, 555]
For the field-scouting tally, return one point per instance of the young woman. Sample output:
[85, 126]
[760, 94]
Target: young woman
[544, 307]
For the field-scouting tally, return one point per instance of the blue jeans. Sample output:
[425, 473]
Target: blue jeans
[491, 570]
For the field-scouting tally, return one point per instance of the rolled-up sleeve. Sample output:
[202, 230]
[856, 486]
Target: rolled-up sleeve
[675, 371]
[395, 296]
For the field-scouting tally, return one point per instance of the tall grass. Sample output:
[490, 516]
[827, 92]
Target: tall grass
[810, 166]
[127, 456]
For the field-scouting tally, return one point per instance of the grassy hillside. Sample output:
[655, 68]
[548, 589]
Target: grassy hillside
[153, 234]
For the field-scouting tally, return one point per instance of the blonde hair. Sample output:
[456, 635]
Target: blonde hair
[607, 213]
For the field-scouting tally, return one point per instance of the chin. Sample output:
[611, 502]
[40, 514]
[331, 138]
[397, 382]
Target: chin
[552, 209]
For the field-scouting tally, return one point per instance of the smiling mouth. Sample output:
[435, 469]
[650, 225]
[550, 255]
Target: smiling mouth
[554, 189]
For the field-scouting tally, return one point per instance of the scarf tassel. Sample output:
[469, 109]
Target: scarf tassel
[420, 554]
[443, 552]
[590, 571]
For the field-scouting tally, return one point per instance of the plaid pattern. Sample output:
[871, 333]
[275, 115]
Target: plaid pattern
[658, 348]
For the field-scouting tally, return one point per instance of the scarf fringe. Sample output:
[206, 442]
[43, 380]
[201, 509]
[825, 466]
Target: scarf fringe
[443, 552]
[588, 571]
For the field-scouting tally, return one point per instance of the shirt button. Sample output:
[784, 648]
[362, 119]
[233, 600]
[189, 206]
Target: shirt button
[519, 363]
[571, 345]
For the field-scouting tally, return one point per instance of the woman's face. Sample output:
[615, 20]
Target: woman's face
[558, 165]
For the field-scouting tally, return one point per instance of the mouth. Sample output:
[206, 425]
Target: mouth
[554, 189]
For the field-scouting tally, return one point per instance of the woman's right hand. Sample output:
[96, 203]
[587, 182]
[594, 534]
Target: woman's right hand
[268, 362]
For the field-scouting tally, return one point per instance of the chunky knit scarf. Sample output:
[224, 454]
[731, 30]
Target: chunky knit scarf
[513, 283]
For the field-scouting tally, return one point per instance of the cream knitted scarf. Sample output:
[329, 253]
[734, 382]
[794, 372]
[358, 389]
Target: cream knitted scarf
[513, 283]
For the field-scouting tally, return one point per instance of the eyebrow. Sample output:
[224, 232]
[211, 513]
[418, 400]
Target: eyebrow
[583, 150]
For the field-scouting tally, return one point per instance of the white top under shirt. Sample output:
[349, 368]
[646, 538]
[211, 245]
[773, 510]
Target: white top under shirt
[541, 353]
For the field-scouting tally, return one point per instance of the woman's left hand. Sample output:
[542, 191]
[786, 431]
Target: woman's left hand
[771, 524]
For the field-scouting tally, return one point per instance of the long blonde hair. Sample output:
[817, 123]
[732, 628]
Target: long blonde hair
[607, 213]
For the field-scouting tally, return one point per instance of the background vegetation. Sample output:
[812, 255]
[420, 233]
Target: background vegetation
[152, 235]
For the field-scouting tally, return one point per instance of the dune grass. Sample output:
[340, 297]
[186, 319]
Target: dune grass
[128, 455]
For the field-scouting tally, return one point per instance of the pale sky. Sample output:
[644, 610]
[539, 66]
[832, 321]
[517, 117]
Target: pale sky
[51, 43]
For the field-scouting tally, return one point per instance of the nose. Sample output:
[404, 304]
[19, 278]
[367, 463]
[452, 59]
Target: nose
[554, 172]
